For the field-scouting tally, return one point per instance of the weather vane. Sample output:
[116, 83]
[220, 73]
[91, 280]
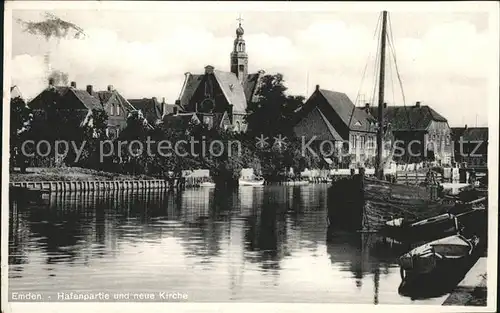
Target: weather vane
[239, 19]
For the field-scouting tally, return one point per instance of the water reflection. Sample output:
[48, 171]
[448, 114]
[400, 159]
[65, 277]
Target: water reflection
[250, 244]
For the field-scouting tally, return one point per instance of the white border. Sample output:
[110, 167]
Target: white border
[493, 104]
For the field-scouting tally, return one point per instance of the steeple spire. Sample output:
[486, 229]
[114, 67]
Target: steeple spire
[239, 57]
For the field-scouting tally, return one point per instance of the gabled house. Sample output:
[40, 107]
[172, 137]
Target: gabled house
[331, 116]
[65, 98]
[117, 108]
[471, 146]
[424, 133]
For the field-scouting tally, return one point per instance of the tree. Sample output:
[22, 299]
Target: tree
[272, 112]
[20, 123]
[135, 135]
[94, 132]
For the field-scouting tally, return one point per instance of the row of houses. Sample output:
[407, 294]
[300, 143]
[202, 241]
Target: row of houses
[330, 115]
[220, 98]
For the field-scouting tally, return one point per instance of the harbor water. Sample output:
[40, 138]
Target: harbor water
[253, 244]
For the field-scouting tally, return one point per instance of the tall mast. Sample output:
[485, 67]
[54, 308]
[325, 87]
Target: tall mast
[379, 169]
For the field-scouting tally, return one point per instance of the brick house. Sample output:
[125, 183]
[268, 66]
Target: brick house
[330, 116]
[418, 128]
[471, 146]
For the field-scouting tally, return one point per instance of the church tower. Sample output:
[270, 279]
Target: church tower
[239, 57]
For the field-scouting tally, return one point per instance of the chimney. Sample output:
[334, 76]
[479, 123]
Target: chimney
[367, 107]
[163, 106]
[230, 113]
[155, 99]
[417, 104]
[177, 102]
[89, 89]
[73, 84]
[385, 105]
[465, 126]
[51, 82]
[175, 110]
[317, 87]
[209, 69]
[110, 88]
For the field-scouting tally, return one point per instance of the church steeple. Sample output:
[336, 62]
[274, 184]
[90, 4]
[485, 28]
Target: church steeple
[239, 57]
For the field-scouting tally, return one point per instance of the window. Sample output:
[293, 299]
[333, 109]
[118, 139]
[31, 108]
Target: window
[118, 110]
[207, 89]
[241, 67]
[112, 109]
[237, 127]
[208, 121]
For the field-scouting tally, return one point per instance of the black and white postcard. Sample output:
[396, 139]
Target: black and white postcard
[273, 156]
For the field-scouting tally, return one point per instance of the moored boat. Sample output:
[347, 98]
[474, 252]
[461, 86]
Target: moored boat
[207, 184]
[246, 182]
[436, 257]
[468, 215]
[385, 200]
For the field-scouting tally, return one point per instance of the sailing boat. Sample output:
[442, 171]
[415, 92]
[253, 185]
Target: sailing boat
[377, 200]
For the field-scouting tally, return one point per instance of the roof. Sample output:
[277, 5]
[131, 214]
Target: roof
[150, 107]
[353, 117]
[404, 118]
[169, 108]
[236, 93]
[113, 97]
[89, 102]
[180, 120]
[190, 85]
[232, 89]
[319, 126]
[250, 85]
[470, 133]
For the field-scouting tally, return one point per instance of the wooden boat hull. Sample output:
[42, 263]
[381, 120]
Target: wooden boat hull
[251, 182]
[379, 201]
[436, 258]
[425, 230]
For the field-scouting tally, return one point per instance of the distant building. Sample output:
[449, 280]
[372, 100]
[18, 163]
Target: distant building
[117, 108]
[418, 128]
[151, 108]
[15, 92]
[471, 146]
[217, 91]
[330, 116]
[184, 120]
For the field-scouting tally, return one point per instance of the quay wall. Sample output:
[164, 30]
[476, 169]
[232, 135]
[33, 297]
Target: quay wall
[69, 186]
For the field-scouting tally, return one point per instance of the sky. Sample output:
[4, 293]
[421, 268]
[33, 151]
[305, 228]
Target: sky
[443, 57]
